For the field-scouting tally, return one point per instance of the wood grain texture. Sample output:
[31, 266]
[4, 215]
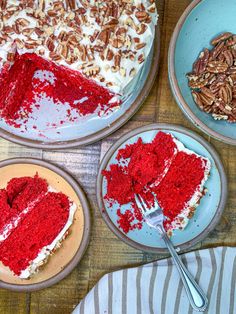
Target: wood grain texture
[106, 252]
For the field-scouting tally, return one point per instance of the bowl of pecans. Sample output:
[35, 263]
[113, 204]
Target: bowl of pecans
[202, 67]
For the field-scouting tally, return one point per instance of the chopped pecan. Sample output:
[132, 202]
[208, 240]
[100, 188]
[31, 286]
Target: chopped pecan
[141, 16]
[103, 36]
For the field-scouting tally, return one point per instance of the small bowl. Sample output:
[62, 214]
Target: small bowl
[65, 259]
[201, 21]
[208, 213]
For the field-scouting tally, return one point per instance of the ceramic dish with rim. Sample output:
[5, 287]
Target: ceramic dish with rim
[201, 21]
[92, 128]
[65, 259]
[207, 214]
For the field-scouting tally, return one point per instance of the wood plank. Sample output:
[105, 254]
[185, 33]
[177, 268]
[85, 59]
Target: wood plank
[13, 302]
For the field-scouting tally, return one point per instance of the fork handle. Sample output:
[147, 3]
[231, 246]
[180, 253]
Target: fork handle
[196, 296]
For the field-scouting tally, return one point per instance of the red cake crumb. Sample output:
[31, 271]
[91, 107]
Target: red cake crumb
[157, 167]
[20, 89]
[119, 184]
[130, 219]
[37, 227]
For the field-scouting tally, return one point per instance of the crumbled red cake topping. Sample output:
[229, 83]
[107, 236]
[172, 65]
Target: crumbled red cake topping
[47, 214]
[173, 176]
[21, 89]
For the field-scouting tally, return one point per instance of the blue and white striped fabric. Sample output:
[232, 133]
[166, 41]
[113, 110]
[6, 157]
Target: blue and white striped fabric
[155, 288]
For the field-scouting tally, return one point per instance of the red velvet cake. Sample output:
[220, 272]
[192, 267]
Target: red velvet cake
[92, 50]
[21, 89]
[34, 220]
[164, 167]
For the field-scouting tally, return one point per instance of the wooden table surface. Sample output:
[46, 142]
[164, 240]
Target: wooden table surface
[106, 252]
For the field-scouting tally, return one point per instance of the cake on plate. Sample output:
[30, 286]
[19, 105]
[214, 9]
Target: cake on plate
[34, 221]
[64, 45]
[164, 168]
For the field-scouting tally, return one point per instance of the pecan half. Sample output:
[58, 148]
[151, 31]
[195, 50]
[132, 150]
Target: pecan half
[221, 37]
[217, 67]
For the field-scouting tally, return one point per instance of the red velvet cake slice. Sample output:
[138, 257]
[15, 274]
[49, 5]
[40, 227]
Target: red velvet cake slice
[164, 167]
[31, 76]
[34, 220]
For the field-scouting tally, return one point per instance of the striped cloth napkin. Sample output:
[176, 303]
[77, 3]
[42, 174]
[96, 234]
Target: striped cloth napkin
[155, 288]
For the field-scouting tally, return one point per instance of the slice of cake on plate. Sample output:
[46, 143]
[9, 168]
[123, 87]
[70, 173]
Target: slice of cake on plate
[34, 220]
[165, 167]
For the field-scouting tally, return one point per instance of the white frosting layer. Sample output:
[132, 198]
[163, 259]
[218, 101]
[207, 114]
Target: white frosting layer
[116, 80]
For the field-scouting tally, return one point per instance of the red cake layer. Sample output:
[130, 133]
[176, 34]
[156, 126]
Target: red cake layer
[36, 228]
[19, 89]
[178, 186]
[158, 167]
[19, 193]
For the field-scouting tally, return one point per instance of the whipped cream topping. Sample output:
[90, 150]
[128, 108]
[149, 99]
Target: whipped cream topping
[107, 41]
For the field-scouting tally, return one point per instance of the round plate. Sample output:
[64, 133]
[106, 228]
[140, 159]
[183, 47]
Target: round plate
[64, 260]
[93, 128]
[207, 213]
[201, 21]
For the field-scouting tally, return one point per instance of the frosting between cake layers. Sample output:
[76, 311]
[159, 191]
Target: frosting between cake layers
[112, 62]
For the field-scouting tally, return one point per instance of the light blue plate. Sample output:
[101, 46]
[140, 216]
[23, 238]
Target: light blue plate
[208, 212]
[200, 22]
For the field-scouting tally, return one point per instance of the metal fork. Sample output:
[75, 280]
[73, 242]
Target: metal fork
[154, 218]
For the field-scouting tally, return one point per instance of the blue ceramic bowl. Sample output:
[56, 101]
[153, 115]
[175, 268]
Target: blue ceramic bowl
[200, 22]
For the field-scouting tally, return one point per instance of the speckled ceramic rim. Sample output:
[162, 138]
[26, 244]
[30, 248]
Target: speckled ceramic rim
[175, 86]
[86, 232]
[107, 130]
[168, 127]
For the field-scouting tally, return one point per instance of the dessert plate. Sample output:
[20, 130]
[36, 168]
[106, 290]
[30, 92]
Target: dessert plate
[63, 261]
[51, 134]
[207, 214]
